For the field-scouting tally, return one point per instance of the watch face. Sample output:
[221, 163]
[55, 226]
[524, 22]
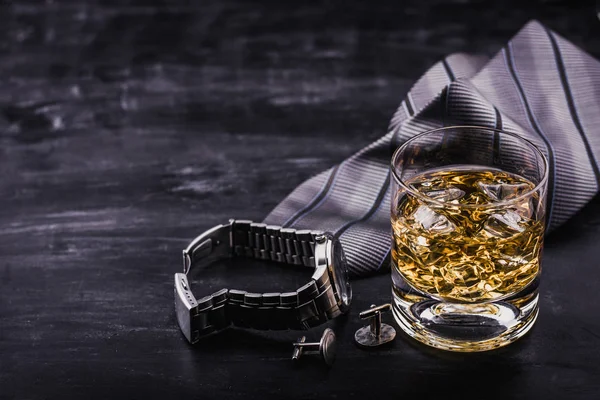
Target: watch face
[340, 272]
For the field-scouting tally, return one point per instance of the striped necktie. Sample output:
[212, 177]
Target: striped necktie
[539, 86]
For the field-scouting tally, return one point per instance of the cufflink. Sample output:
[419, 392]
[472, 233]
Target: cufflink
[376, 333]
[325, 348]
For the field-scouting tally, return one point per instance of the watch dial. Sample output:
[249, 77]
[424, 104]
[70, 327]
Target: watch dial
[342, 283]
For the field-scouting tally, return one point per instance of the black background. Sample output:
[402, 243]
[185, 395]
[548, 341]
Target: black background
[129, 127]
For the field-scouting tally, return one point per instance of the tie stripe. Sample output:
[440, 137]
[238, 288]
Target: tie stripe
[565, 84]
[448, 70]
[534, 124]
[320, 195]
[539, 86]
[497, 125]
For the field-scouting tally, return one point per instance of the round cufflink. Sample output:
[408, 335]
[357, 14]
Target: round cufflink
[326, 347]
[376, 333]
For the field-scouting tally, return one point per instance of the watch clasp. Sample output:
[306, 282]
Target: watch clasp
[185, 306]
[210, 246]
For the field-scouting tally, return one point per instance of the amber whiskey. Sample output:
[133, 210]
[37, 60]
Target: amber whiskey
[468, 234]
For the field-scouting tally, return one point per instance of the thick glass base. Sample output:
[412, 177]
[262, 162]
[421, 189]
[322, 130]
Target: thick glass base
[465, 327]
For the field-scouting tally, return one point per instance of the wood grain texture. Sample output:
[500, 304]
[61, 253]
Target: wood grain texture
[128, 127]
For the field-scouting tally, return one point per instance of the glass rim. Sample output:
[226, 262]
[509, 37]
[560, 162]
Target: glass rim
[428, 199]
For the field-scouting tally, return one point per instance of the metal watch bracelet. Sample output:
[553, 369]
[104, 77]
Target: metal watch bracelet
[307, 307]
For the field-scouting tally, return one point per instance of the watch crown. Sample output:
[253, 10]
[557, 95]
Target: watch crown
[320, 238]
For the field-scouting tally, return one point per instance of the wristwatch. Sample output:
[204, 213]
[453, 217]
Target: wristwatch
[326, 296]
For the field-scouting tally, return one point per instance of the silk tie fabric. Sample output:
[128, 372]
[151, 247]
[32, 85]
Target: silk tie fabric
[539, 86]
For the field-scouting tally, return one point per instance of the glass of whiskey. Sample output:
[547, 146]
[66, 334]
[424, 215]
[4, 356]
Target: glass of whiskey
[468, 219]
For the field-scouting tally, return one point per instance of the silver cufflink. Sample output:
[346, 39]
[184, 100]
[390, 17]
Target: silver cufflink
[326, 347]
[376, 333]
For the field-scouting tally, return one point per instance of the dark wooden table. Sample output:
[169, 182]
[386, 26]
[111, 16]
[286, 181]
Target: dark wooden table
[127, 128]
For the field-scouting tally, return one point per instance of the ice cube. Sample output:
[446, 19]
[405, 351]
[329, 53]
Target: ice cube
[504, 224]
[446, 195]
[503, 191]
[433, 221]
[525, 208]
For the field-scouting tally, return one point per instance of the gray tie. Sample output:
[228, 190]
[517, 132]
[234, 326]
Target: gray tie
[539, 85]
